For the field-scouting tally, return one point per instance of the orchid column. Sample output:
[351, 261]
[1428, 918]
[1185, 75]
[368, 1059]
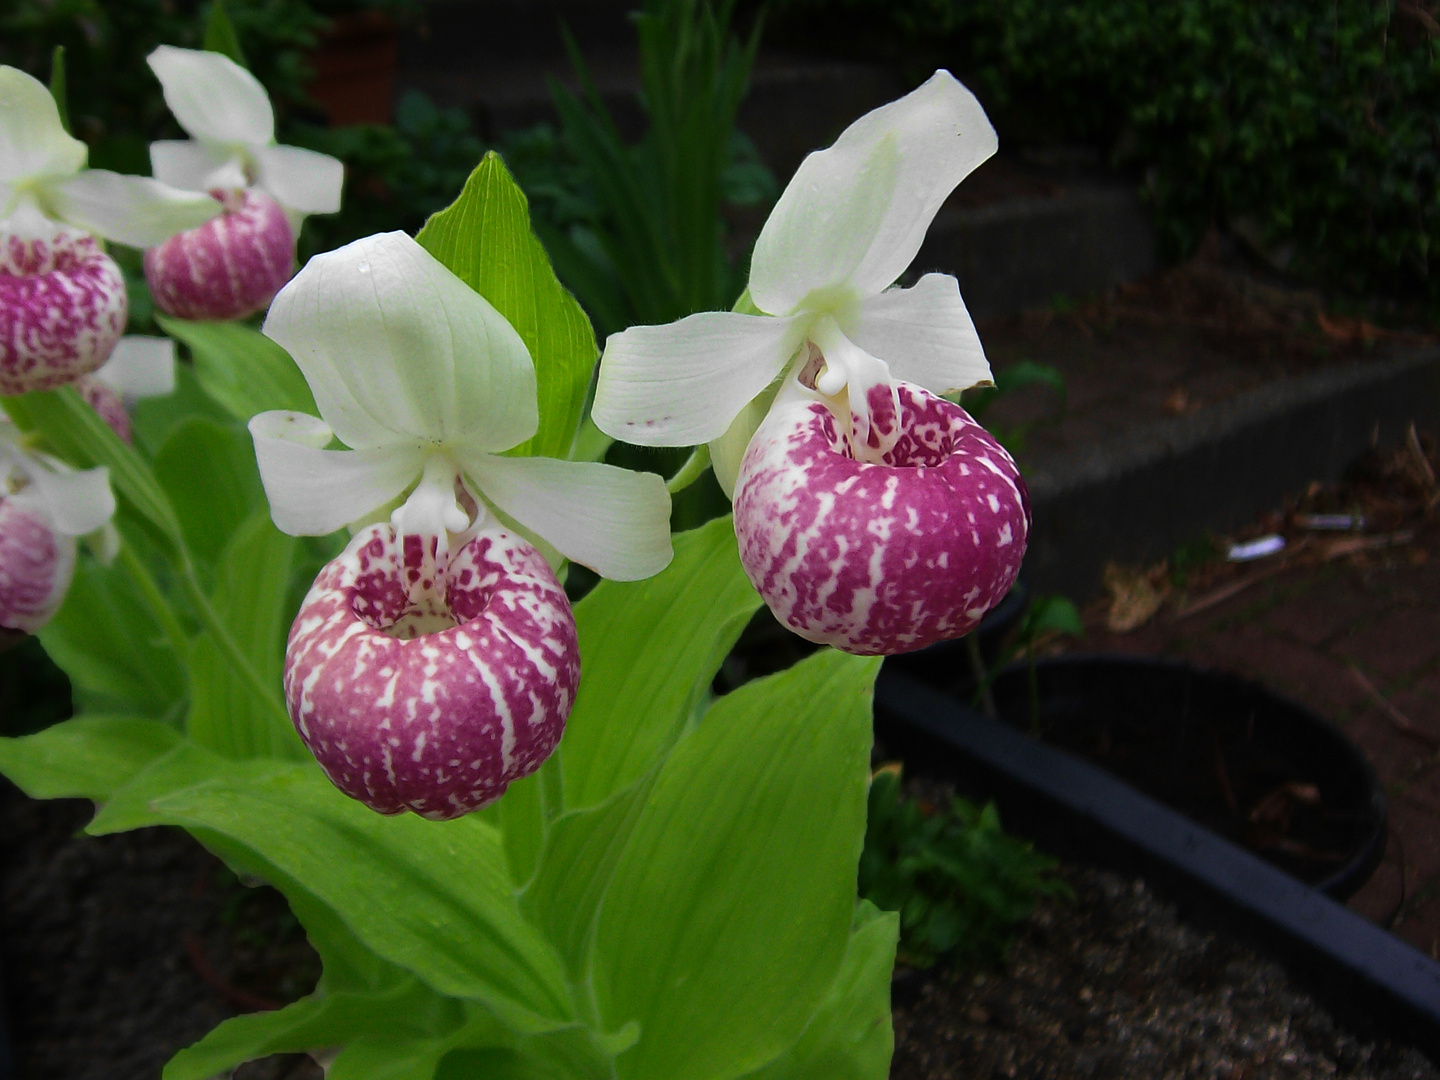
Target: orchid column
[872, 514]
[434, 661]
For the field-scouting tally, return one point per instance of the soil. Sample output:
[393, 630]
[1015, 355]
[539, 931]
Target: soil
[117, 951]
[1113, 986]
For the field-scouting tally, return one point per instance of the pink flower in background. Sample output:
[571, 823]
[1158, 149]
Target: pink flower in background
[138, 367]
[44, 507]
[434, 661]
[62, 299]
[233, 265]
[871, 513]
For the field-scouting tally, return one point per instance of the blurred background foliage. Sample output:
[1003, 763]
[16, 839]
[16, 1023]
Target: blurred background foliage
[1310, 130]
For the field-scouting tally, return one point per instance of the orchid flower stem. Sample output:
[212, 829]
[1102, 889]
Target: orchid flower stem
[977, 669]
[211, 621]
[695, 465]
[159, 606]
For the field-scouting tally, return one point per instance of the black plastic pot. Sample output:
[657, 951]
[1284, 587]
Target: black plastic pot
[1072, 808]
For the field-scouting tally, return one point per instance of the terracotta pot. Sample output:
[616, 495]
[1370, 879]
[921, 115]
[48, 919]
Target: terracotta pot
[355, 66]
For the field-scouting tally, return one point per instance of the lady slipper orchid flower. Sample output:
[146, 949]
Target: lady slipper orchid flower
[435, 660]
[139, 367]
[44, 507]
[871, 513]
[62, 299]
[233, 265]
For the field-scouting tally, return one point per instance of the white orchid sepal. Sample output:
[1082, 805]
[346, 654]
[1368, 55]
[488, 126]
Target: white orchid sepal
[845, 228]
[426, 385]
[42, 170]
[228, 116]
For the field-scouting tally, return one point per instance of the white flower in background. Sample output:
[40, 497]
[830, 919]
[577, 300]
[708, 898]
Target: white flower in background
[62, 299]
[435, 660]
[871, 514]
[237, 262]
[139, 367]
[44, 506]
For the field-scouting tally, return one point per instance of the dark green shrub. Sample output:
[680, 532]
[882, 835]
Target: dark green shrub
[1311, 130]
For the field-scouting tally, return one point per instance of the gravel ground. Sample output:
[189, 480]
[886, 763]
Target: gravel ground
[1113, 985]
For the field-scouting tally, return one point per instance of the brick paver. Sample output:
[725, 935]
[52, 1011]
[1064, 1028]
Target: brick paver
[1301, 633]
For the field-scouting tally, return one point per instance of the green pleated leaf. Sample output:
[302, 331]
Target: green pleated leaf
[106, 640]
[431, 897]
[241, 368]
[730, 911]
[74, 431]
[581, 851]
[649, 651]
[850, 1036]
[86, 757]
[209, 472]
[252, 600]
[485, 239]
[404, 1012]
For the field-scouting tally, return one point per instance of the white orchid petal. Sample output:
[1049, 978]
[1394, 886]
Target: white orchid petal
[299, 179]
[134, 210]
[395, 347]
[76, 501]
[612, 520]
[33, 142]
[140, 367]
[185, 163]
[925, 334]
[313, 492]
[214, 99]
[683, 383]
[854, 215]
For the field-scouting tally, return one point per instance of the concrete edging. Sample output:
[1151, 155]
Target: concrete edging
[1138, 497]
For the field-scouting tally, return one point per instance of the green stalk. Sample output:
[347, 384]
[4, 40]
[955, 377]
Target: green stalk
[695, 465]
[159, 606]
[982, 680]
[232, 651]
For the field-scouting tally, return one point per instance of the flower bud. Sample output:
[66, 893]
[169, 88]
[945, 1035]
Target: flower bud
[887, 556]
[229, 267]
[36, 565]
[62, 304]
[434, 706]
[107, 404]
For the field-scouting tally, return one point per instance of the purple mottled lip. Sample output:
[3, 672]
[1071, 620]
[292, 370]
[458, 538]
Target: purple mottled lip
[434, 707]
[886, 556]
[36, 565]
[62, 308]
[230, 267]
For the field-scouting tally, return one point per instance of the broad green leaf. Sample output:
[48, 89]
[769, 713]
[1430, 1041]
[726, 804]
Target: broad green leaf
[850, 1036]
[408, 1011]
[87, 757]
[241, 368]
[209, 472]
[523, 819]
[581, 850]
[153, 419]
[574, 1053]
[220, 36]
[432, 897]
[251, 599]
[105, 639]
[484, 238]
[729, 913]
[58, 87]
[75, 432]
[349, 964]
[649, 650]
